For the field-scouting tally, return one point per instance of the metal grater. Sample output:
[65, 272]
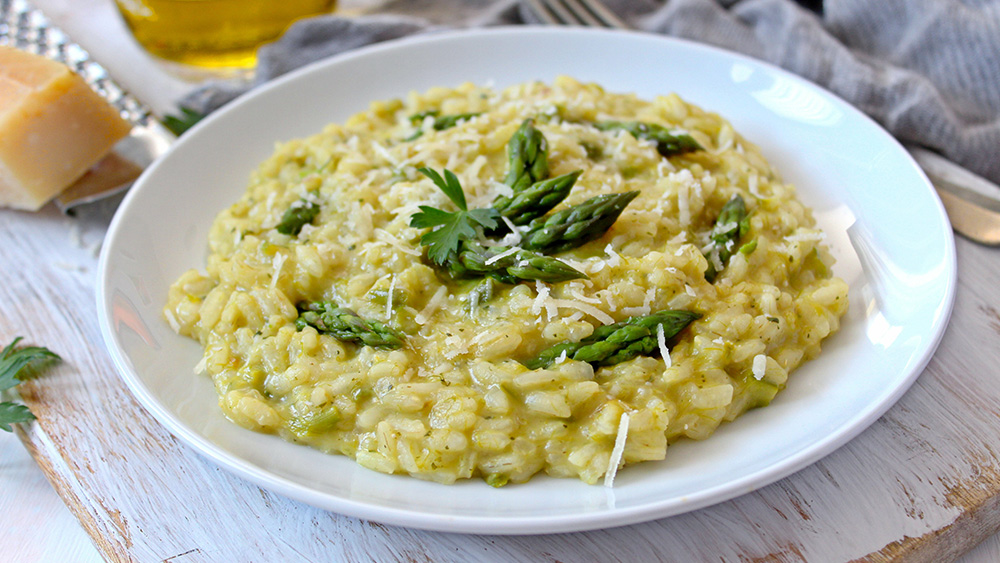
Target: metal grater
[24, 27]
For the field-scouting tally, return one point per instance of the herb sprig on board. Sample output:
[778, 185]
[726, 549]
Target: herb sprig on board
[13, 362]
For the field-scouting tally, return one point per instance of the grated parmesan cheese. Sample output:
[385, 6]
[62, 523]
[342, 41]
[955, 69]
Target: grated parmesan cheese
[455, 345]
[278, 262]
[614, 259]
[501, 189]
[802, 237]
[726, 227]
[753, 183]
[685, 181]
[617, 451]
[598, 314]
[393, 241]
[661, 341]
[388, 300]
[363, 221]
[172, 321]
[306, 231]
[561, 358]
[201, 366]
[543, 295]
[432, 306]
[576, 265]
[502, 255]
[581, 297]
[683, 205]
[716, 261]
[645, 308]
[513, 238]
[759, 366]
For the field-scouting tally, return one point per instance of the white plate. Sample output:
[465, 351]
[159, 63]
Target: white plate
[886, 227]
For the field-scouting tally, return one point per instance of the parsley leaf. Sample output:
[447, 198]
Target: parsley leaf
[452, 228]
[178, 124]
[12, 363]
[12, 413]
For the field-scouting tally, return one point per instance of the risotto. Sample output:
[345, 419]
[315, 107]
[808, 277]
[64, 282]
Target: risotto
[441, 388]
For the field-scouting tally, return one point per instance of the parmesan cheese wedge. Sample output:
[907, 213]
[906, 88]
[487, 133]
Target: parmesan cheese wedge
[53, 128]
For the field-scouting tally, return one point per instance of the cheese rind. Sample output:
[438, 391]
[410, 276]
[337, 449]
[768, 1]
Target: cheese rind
[53, 127]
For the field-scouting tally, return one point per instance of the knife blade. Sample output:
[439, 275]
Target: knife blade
[971, 201]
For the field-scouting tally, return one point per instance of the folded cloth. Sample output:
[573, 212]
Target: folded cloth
[926, 70]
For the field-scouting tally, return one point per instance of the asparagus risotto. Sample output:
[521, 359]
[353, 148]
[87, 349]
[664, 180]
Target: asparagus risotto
[471, 282]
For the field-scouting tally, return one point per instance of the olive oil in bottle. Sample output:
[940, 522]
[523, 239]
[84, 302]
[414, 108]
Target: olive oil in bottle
[216, 34]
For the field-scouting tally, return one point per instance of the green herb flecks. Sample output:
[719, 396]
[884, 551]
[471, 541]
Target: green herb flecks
[619, 342]
[496, 480]
[298, 215]
[315, 423]
[450, 229]
[732, 224]
[667, 143]
[748, 248]
[346, 325]
[13, 363]
[574, 226]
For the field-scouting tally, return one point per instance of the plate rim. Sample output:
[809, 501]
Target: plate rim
[497, 524]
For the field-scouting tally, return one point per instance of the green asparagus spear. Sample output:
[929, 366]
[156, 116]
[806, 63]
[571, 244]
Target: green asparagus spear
[481, 294]
[667, 143]
[732, 223]
[297, 216]
[476, 260]
[316, 423]
[344, 324]
[574, 226]
[441, 122]
[448, 121]
[537, 199]
[612, 344]
[527, 155]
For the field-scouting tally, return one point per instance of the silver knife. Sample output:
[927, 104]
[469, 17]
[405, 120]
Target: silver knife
[970, 200]
[24, 27]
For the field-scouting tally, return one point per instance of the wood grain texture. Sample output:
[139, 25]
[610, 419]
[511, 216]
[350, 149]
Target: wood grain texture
[922, 484]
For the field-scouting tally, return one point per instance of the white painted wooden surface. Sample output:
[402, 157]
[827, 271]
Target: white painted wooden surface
[923, 482]
[37, 525]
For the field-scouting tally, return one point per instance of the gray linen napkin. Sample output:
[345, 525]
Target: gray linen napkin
[927, 70]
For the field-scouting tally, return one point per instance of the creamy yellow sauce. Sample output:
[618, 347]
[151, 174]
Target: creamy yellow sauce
[455, 402]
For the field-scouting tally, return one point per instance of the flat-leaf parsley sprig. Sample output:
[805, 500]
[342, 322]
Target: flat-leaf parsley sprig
[12, 363]
[452, 228]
